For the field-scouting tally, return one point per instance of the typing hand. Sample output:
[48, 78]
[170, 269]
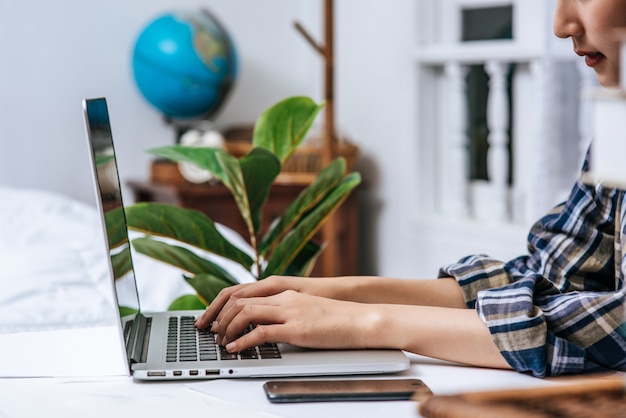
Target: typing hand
[267, 287]
[294, 318]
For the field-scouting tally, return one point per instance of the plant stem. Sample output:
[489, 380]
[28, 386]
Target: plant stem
[257, 256]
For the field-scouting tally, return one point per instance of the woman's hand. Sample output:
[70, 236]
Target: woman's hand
[441, 292]
[426, 317]
[267, 287]
[316, 322]
[295, 318]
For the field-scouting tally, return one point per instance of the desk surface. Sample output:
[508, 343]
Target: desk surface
[120, 396]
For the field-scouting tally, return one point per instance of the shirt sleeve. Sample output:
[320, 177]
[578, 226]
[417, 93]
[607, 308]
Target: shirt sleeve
[559, 309]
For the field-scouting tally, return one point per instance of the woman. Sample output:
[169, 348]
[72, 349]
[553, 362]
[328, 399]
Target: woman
[559, 309]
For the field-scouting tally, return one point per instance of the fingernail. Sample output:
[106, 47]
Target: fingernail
[232, 346]
[214, 326]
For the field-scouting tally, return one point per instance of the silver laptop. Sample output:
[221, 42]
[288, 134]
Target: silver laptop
[165, 345]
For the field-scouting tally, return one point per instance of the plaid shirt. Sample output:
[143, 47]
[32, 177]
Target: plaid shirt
[560, 309]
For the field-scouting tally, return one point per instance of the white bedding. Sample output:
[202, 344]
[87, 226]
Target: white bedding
[53, 266]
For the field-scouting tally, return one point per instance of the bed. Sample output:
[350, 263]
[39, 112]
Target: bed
[53, 267]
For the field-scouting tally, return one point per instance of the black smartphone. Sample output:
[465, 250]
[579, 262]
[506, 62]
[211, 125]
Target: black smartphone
[282, 391]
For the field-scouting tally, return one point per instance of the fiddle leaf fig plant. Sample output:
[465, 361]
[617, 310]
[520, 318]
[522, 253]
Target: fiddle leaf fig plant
[190, 240]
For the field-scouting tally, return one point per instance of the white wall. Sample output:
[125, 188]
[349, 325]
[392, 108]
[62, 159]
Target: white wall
[56, 53]
[376, 89]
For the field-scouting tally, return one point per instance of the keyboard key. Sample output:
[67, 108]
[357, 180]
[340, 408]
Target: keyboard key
[186, 343]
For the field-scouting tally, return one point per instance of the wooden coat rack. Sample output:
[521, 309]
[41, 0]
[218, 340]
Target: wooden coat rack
[326, 50]
[329, 140]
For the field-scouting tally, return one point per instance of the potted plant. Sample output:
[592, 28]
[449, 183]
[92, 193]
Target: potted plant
[190, 240]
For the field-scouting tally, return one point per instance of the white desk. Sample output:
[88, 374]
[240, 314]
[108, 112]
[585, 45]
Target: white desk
[120, 396]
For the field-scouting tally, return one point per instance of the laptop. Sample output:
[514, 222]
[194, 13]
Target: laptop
[165, 345]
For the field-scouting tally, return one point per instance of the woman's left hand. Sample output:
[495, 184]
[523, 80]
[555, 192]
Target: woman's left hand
[295, 318]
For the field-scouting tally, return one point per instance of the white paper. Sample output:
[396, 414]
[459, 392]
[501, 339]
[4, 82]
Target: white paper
[79, 352]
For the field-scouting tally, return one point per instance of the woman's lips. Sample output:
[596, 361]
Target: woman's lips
[592, 59]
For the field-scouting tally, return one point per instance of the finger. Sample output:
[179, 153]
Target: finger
[270, 323]
[258, 314]
[235, 309]
[272, 333]
[265, 288]
[216, 306]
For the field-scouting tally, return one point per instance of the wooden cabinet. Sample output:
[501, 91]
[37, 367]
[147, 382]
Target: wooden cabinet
[217, 202]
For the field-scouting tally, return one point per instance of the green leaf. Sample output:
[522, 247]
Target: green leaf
[184, 225]
[187, 303]
[207, 286]
[121, 262]
[259, 168]
[103, 159]
[222, 165]
[116, 232]
[126, 311]
[324, 183]
[282, 127]
[293, 243]
[213, 160]
[180, 257]
[234, 181]
[303, 263]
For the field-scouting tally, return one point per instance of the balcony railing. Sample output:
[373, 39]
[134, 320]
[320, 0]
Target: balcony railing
[538, 129]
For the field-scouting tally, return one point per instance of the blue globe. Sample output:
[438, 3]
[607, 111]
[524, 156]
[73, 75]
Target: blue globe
[184, 64]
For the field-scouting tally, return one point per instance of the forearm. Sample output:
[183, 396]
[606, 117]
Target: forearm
[445, 333]
[305, 320]
[431, 292]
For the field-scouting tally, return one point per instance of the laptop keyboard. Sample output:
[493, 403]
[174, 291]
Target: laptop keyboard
[187, 343]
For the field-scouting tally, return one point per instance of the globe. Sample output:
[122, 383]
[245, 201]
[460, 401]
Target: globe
[184, 64]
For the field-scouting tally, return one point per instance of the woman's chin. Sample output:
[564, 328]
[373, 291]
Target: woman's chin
[609, 81]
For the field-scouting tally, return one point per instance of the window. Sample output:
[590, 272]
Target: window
[487, 23]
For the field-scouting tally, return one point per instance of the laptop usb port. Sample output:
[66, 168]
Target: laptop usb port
[211, 372]
[156, 374]
[193, 372]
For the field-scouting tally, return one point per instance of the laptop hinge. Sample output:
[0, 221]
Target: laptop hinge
[137, 346]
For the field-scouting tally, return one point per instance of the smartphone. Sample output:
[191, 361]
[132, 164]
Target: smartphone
[282, 391]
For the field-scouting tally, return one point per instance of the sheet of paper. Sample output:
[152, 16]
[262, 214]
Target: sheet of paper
[93, 351]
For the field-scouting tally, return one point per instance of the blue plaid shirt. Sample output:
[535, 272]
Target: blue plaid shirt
[560, 309]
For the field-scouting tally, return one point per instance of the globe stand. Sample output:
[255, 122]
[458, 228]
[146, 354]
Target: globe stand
[194, 132]
[182, 126]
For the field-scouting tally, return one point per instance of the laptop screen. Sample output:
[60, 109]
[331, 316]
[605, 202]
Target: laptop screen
[106, 176]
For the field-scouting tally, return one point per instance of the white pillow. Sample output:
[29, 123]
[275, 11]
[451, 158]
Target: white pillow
[53, 272]
[54, 267]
